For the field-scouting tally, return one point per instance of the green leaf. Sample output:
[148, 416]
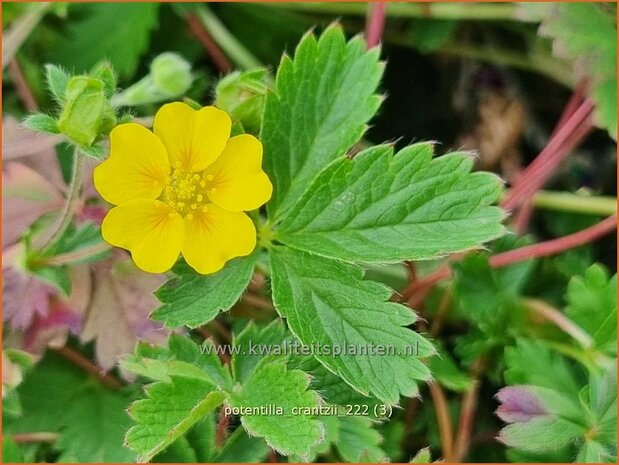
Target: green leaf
[42, 123]
[446, 372]
[358, 442]
[59, 397]
[422, 456]
[319, 108]
[184, 400]
[57, 276]
[378, 207]
[57, 80]
[531, 362]
[540, 434]
[75, 239]
[592, 305]
[290, 432]
[242, 448]
[328, 303]
[193, 299]
[101, 34]
[586, 33]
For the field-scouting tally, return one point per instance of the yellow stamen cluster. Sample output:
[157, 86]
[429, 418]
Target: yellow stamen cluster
[186, 192]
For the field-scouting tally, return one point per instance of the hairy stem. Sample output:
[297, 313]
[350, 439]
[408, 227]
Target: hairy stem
[34, 437]
[22, 87]
[467, 414]
[574, 203]
[80, 254]
[70, 202]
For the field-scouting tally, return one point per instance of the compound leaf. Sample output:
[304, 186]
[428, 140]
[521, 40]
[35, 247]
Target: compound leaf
[381, 208]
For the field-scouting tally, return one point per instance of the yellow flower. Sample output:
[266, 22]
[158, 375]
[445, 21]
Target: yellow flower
[182, 189]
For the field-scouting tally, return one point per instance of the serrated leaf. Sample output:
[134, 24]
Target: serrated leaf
[328, 303]
[41, 122]
[89, 40]
[272, 384]
[586, 33]
[185, 401]
[531, 362]
[540, 434]
[592, 305]
[319, 108]
[378, 207]
[358, 442]
[91, 420]
[192, 299]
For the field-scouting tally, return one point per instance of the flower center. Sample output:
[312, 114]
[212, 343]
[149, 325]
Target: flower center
[186, 192]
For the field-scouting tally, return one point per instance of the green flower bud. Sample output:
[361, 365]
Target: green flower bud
[171, 74]
[243, 94]
[169, 78]
[87, 113]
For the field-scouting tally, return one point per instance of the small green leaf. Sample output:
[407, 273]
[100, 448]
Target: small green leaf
[358, 442]
[57, 276]
[422, 456]
[328, 303]
[242, 448]
[319, 108]
[592, 305]
[291, 432]
[57, 80]
[193, 299]
[42, 123]
[382, 208]
[540, 434]
[184, 400]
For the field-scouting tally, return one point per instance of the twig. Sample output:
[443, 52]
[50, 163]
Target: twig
[22, 88]
[539, 250]
[258, 301]
[375, 23]
[228, 43]
[19, 31]
[576, 127]
[441, 313]
[443, 418]
[35, 437]
[548, 312]
[467, 413]
[89, 367]
[216, 54]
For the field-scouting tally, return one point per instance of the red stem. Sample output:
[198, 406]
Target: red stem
[539, 250]
[89, 367]
[375, 23]
[21, 86]
[216, 54]
[569, 135]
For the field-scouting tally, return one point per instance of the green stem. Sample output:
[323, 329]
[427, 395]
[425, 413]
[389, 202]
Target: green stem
[66, 216]
[19, 31]
[229, 44]
[574, 203]
[448, 10]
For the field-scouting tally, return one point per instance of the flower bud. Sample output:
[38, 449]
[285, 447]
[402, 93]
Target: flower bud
[242, 95]
[87, 113]
[169, 78]
[171, 74]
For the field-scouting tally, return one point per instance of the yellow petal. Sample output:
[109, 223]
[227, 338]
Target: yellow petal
[136, 168]
[193, 138]
[150, 229]
[239, 184]
[216, 236]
